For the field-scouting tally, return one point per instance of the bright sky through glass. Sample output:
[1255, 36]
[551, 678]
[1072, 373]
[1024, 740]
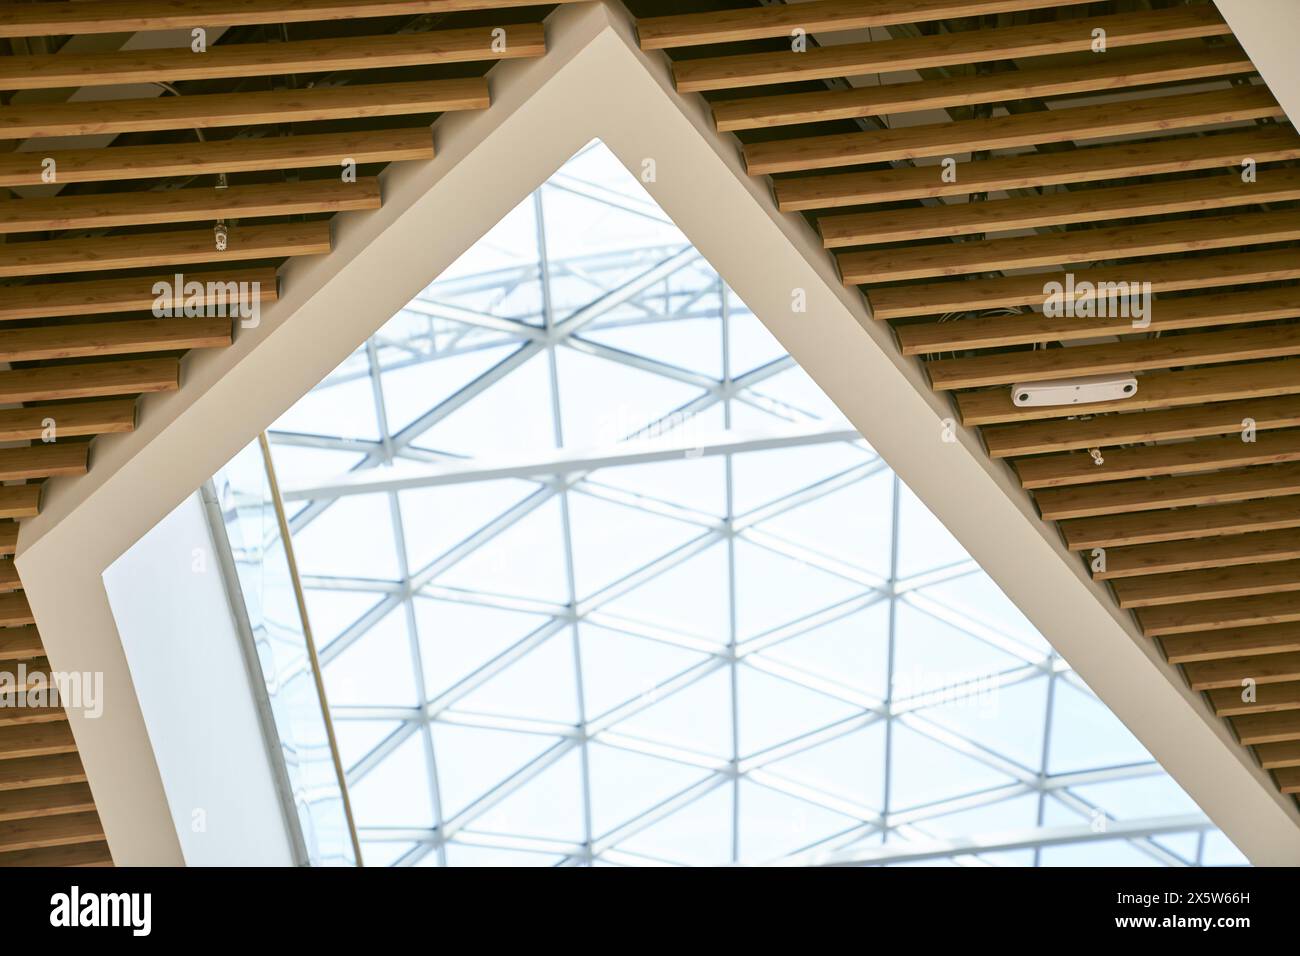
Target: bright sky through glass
[633, 591]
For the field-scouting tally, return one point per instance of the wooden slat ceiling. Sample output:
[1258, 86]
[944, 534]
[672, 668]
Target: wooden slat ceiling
[1123, 165]
[153, 144]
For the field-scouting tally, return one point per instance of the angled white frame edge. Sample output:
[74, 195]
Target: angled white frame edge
[593, 82]
[1266, 30]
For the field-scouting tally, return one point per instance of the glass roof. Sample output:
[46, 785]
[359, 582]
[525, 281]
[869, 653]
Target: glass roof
[600, 576]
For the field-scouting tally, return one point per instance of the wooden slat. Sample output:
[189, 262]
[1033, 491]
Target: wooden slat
[1230, 551]
[1234, 345]
[1165, 197]
[1168, 275]
[53, 71]
[8, 545]
[1183, 491]
[1185, 312]
[1277, 756]
[19, 501]
[14, 609]
[48, 802]
[1195, 386]
[1231, 612]
[112, 338]
[41, 772]
[755, 23]
[38, 740]
[1109, 531]
[70, 420]
[1288, 780]
[1174, 458]
[238, 155]
[134, 294]
[1207, 584]
[13, 716]
[1264, 144]
[90, 380]
[9, 582]
[188, 205]
[20, 643]
[23, 676]
[1267, 728]
[56, 831]
[37, 461]
[1004, 132]
[179, 247]
[125, 16]
[1221, 418]
[1262, 669]
[1111, 72]
[82, 118]
[1175, 492]
[1270, 699]
[1080, 245]
[944, 49]
[1222, 645]
[78, 855]
[42, 460]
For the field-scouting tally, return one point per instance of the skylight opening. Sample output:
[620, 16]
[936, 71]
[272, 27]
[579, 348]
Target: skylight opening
[599, 576]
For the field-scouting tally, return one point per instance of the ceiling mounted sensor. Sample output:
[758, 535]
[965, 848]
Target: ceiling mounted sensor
[1075, 391]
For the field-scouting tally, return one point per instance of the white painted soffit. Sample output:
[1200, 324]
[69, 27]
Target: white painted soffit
[594, 82]
[1267, 31]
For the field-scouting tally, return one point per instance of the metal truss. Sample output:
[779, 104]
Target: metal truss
[1035, 838]
[654, 287]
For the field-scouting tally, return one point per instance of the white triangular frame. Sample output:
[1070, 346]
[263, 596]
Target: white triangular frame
[593, 83]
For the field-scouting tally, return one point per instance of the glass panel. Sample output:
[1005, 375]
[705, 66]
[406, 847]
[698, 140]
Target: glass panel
[281, 644]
